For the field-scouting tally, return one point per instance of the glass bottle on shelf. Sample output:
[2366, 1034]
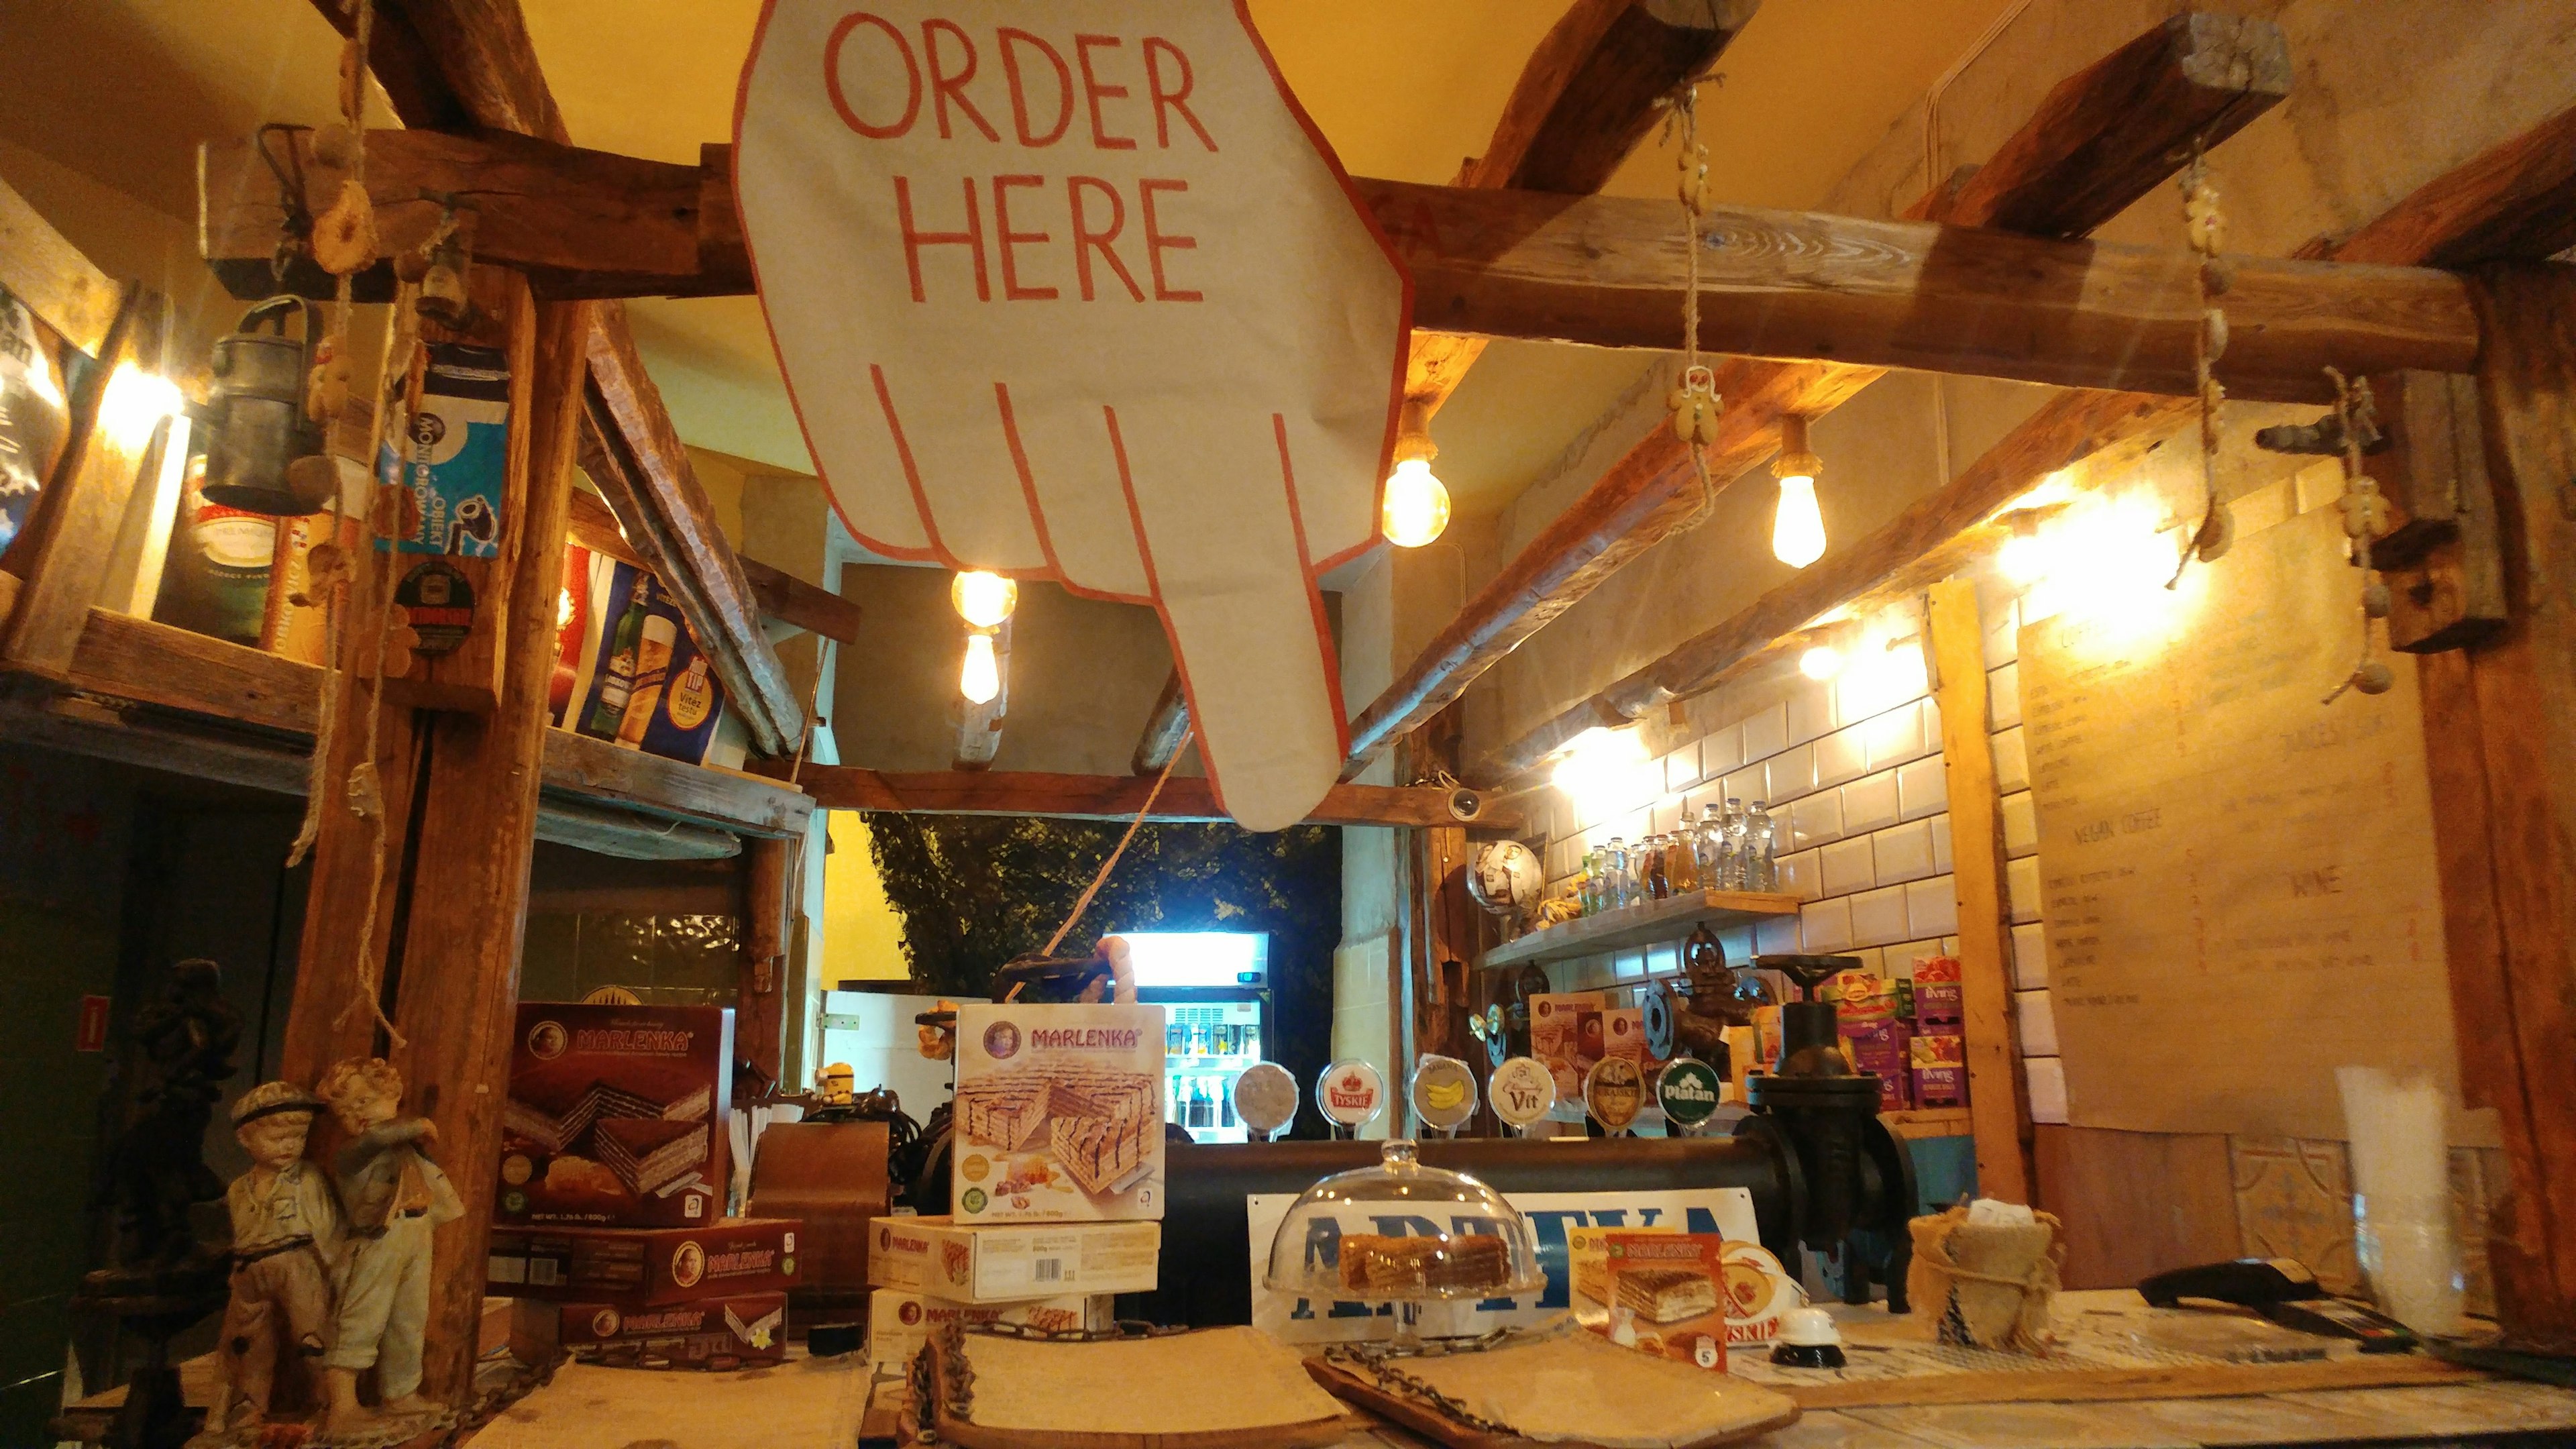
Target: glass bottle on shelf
[1712, 849]
[1616, 885]
[1763, 861]
[1731, 844]
[1681, 864]
[1586, 881]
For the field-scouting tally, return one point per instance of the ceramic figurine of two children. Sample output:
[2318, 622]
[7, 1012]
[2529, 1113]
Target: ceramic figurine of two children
[334, 1266]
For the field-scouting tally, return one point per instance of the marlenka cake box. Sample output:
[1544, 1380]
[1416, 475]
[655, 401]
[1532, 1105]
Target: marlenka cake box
[616, 1116]
[1059, 1113]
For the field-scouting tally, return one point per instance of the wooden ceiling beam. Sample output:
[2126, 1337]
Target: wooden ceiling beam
[2520, 193]
[783, 596]
[1118, 797]
[451, 64]
[1165, 729]
[2144, 108]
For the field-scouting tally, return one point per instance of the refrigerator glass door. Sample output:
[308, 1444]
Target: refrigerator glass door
[1207, 1044]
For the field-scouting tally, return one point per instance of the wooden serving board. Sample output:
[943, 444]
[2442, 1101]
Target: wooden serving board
[1424, 1420]
[1122, 1381]
[2194, 1381]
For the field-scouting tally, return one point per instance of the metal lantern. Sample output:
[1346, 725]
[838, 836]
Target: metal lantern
[265, 455]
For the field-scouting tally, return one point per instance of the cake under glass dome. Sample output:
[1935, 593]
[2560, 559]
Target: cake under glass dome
[1459, 1238]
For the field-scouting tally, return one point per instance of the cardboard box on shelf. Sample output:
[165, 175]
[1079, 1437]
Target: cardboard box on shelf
[1940, 1069]
[644, 1267]
[1567, 1036]
[898, 1322]
[1013, 1262]
[1936, 991]
[616, 1116]
[746, 1330]
[1059, 1113]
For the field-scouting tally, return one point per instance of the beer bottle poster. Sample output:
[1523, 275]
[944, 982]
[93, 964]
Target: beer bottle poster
[1077, 292]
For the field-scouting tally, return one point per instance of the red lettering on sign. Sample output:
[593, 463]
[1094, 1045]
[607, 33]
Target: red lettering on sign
[915, 239]
[1085, 240]
[1158, 242]
[1019, 92]
[1093, 91]
[1004, 239]
[1177, 99]
[953, 87]
[841, 99]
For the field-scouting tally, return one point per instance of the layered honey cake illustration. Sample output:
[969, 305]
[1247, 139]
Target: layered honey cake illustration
[650, 1155]
[1667, 1295]
[1098, 1120]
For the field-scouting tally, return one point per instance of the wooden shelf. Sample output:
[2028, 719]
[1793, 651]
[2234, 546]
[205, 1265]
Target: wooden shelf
[154, 695]
[1650, 924]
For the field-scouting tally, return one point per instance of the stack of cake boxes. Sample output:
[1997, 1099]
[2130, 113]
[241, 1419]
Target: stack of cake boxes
[1939, 1049]
[607, 1219]
[1056, 1197]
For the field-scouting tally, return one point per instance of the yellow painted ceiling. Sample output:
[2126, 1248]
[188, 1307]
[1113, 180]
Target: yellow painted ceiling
[118, 92]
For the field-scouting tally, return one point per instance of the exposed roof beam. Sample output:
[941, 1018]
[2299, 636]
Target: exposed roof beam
[2156, 105]
[1119, 797]
[783, 596]
[52, 277]
[1165, 729]
[2515, 200]
[452, 63]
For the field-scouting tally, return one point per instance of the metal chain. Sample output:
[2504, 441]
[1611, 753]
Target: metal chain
[1377, 1361]
[2205, 227]
[2357, 414]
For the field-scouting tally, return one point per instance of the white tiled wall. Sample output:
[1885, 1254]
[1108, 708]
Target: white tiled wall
[1853, 775]
[2036, 1022]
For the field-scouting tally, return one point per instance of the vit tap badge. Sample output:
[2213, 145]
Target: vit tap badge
[1523, 1090]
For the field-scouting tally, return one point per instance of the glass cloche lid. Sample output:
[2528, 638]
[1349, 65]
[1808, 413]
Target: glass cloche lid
[1403, 1232]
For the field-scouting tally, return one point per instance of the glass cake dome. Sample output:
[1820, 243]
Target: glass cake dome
[1456, 1237]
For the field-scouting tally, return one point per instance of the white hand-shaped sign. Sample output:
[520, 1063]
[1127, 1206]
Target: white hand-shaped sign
[1075, 291]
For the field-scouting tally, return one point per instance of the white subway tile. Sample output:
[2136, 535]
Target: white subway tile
[2021, 887]
[1800, 875]
[1817, 819]
[1846, 867]
[1628, 965]
[1932, 724]
[1903, 852]
[1950, 947]
[1896, 736]
[1869, 803]
[1722, 751]
[1842, 755]
[2047, 1078]
[1767, 733]
[1811, 710]
[1775, 936]
[2003, 635]
[2012, 760]
[1923, 788]
[1681, 768]
[1940, 844]
[1932, 906]
[1878, 917]
[2030, 956]
[1872, 960]
[1665, 815]
[2021, 824]
[1748, 784]
[1792, 773]
[1738, 942]
[2003, 697]
[1664, 959]
[1901, 958]
[1825, 926]
[2038, 1023]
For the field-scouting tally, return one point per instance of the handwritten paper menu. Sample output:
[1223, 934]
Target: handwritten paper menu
[2238, 880]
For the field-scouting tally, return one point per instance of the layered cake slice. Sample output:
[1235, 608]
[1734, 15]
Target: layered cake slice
[1667, 1295]
[648, 1153]
[1085, 1090]
[1096, 1152]
[534, 1125]
[1376, 1264]
[691, 1108]
[600, 1101]
[1004, 1111]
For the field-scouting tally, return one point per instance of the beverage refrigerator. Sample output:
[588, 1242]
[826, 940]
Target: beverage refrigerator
[1214, 987]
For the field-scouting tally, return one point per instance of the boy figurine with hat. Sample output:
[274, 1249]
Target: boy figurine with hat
[286, 1237]
[395, 1196]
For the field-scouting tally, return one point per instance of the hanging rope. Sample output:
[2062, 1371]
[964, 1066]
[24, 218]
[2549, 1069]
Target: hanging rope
[2365, 513]
[1083, 903]
[1694, 401]
[2205, 226]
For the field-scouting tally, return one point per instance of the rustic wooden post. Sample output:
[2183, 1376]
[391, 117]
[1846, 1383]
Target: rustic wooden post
[2500, 746]
[1998, 1109]
[769, 871]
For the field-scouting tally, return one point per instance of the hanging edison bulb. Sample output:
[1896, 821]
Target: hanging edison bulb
[981, 678]
[984, 599]
[1416, 509]
[1798, 528]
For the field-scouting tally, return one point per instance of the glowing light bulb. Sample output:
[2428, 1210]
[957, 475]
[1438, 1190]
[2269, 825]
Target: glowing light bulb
[1417, 505]
[135, 404]
[984, 599]
[981, 679]
[2023, 558]
[1798, 528]
[1821, 662]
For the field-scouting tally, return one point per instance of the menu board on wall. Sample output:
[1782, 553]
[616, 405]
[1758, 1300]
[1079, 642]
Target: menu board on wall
[2238, 878]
